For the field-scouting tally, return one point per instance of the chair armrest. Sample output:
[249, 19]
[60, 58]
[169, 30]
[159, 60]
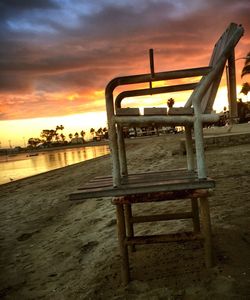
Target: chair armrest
[144, 78]
[168, 75]
[153, 91]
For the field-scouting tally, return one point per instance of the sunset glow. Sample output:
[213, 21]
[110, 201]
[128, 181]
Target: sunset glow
[57, 56]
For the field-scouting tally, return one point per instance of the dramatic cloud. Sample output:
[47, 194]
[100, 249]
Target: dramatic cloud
[53, 50]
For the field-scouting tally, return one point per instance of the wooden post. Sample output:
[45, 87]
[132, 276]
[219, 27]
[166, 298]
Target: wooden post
[206, 230]
[129, 224]
[195, 212]
[199, 144]
[112, 134]
[232, 97]
[122, 244]
[151, 58]
[152, 68]
[122, 152]
[189, 148]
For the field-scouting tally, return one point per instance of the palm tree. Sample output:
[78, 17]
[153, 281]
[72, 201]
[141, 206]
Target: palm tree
[245, 88]
[92, 131]
[246, 71]
[170, 102]
[48, 134]
[62, 137]
[82, 134]
[70, 136]
[99, 132]
[57, 137]
[33, 142]
[59, 127]
[246, 68]
[105, 132]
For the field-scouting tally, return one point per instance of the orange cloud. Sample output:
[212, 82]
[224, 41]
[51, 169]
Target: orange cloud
[63, 66]
[73, 97]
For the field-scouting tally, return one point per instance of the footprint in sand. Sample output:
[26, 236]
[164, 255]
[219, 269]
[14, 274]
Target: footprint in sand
[88, 247]
[25, 236]
[111, 223]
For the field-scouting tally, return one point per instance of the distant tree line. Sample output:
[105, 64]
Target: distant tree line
[55, 137]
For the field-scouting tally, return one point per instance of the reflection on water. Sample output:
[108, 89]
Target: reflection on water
[21, 166]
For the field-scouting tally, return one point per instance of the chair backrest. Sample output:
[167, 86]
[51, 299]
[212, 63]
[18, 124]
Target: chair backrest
[222, 49]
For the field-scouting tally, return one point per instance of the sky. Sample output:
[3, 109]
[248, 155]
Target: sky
[57, 56]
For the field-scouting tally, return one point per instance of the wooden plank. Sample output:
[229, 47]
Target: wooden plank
[130, 180]
[161, 217]
[128, 111]
[161, 196]
[173, 174]
[181, 111]
[142, 177]
[96, 185]
[233, 32]
[103, 179]
[167, 120]
[164, 238]
[145, 178]
[136, 178]
[130, 189]
[151, 111]
[154, 173]
[208, 98]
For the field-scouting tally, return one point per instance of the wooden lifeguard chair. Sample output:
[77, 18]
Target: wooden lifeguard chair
[188, 183]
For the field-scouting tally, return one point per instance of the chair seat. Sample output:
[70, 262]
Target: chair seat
[150, 182]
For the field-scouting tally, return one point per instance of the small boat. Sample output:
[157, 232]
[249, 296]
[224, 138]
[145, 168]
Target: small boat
[32, 154]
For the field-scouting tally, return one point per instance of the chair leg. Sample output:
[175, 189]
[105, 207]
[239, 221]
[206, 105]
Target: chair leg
[206, 229]
[129, 224]
[195, 211]
[122, 244]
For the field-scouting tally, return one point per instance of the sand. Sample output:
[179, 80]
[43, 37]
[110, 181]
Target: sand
[52, 248]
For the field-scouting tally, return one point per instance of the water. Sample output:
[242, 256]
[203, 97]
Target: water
[21, 165]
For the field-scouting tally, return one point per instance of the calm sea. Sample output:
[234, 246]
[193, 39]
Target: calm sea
[19, 166]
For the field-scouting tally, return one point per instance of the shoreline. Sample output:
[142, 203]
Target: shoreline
[46, 172]
[71, 146]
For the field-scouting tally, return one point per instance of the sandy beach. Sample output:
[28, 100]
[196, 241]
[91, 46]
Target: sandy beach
[53, 248]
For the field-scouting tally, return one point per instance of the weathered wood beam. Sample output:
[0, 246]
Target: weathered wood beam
[169, 119]
[232, 101]
[161, 217]
[164, 238]
[206, 230]
[122, 245]
[140, 188]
